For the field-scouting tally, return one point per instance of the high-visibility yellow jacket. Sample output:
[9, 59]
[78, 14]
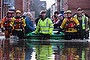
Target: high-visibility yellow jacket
[85, 21]
[69, 29]
[44, 26]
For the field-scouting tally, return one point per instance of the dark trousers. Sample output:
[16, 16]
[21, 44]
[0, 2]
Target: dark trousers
[71, 35]
[43, 39]
[86, 34]
[20, 34]
[83, 34]
[44, 36]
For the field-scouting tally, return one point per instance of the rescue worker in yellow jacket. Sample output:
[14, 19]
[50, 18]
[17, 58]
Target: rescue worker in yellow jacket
[18, 25]
[70, 25]
[44, 26]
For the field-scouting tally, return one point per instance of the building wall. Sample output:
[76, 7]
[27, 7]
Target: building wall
[26, 5]
[42, 5]
[84, 4]
[0, 9]
[52, 10]
[19, 5]
[36, 5]
[73, 5]
[65, 5]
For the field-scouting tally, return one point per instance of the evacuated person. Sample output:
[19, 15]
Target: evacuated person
[60, 20]
[29, 24]
[55, 18]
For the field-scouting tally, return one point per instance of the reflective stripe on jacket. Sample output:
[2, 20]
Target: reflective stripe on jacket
[85, 21]
[44, 26]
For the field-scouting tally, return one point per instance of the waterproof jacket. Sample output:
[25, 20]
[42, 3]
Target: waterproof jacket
[18, 23]
[7, 22]
[84, 21]
[44, 26]
[29, 24]
[69, 24]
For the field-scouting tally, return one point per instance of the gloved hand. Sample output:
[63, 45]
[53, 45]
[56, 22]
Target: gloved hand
[87, 29]
[60, 30]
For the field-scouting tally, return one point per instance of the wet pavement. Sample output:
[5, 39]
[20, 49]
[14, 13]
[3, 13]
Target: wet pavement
[27, 49]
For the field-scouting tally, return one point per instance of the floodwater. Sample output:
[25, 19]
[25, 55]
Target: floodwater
[26, 49]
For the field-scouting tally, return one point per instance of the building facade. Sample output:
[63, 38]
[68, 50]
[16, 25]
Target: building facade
[6, 5]
[53, 9]
[26, 5]
[0, 9]
[73, 5]
[19, 5]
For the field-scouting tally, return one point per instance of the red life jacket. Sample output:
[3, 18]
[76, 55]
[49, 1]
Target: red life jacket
[7, 22]
[70, 23]
[18, 23]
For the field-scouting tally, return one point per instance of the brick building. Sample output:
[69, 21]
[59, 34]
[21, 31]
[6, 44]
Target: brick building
[0, 9]
[5, 5]
[19, 5]
[26, 5]
[84, 4]
[73, 5]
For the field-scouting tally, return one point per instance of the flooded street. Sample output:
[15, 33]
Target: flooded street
[26, 49]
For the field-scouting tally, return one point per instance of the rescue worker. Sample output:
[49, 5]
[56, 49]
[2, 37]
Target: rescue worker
[44, 26]
[86, 35]
[84, 24]
[65, 14]
[7, 24]
[18, 25]
[70, 25]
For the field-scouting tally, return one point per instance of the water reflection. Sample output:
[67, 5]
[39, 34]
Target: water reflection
[44, 52]
[26, 49]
